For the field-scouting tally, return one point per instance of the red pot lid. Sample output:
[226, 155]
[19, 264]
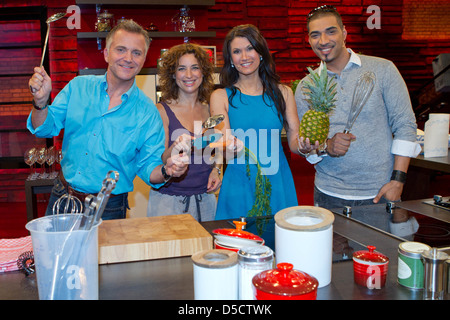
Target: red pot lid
[285, 281]
[238, 232]
[370, 256]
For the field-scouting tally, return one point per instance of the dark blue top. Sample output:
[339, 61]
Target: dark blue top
[195, 180]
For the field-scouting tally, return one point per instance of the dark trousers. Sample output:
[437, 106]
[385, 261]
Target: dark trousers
[329, 202]
[116, 208]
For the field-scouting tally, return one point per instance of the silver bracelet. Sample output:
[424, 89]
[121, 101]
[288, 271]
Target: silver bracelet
[304, 155]
[218, 169]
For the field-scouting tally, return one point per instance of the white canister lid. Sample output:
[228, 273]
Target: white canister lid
[413, 249]
[215, 258]
[304, 218]
[255, 254]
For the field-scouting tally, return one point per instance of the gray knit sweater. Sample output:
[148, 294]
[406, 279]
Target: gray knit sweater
[387, 116]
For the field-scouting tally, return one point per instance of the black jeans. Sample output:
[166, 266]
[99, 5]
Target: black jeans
[116, 208]
[329, 202]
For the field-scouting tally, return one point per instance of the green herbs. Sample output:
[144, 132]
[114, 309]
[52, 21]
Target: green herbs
[263, 190]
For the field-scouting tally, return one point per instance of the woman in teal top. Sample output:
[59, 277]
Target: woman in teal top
[256, 108]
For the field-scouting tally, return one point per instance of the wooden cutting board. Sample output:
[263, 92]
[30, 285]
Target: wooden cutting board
[137, 239]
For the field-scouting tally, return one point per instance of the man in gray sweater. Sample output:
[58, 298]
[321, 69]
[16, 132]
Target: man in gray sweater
[369, 164]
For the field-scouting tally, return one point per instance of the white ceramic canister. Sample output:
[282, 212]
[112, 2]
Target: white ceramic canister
[252, 260]
[410, 265]
[215, 275]
[304, 238]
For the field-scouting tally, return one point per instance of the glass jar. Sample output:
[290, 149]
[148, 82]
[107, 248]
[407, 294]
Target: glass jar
[105, 21]
[182, 21]
[252, 260]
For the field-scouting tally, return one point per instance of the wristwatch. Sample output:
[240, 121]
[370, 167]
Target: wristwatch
[323, 151]
[37, 107]
[166, 176]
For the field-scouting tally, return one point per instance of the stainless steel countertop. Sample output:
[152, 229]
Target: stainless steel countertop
[172, 279]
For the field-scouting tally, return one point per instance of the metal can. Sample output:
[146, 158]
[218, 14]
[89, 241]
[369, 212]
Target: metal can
[410, 266]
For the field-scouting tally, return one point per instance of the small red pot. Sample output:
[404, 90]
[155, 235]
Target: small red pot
[284, 283]
[235, 239]
[370, 268]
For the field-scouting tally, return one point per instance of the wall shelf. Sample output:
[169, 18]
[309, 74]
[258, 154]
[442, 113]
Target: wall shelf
[154, 34]
[151, 2]
[144, 71]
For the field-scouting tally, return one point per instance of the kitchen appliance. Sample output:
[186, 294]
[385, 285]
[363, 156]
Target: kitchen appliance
[404, 224]
[439, 201]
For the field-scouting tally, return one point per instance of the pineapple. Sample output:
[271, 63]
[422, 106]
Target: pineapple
[321, 93]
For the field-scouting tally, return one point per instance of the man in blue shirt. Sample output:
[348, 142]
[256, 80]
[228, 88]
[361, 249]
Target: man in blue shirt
[109, 124]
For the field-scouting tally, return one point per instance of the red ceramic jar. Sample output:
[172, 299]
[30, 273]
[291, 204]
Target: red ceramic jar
[370, 268]
[284, 283]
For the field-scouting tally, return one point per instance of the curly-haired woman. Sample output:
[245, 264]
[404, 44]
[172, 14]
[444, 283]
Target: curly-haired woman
[186, 81]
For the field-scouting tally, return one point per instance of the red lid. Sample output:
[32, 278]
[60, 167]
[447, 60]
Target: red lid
[285, 281]
[238, 232]
[370, 256]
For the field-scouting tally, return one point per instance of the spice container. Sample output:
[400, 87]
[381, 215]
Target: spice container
[252, 260]
[434, 274]
[234, 239]
[105, 21]
[370, 268]
[410, 266]
[284, 283]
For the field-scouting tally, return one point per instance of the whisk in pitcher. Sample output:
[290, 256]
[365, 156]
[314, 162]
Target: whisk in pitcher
[67, 204]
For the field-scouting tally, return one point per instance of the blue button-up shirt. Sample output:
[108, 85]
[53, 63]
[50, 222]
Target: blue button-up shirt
[129, 138]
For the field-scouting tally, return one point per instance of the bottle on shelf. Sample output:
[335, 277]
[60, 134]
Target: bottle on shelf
[182, 21]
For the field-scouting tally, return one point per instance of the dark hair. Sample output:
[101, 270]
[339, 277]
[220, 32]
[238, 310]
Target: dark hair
[269, 78]
[323, 11]
[169, 64]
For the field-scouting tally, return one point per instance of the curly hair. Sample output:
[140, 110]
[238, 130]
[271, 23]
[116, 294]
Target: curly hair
[267, 73]
[168, 68]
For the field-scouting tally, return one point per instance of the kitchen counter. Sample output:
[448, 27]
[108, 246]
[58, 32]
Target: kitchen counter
[434, 163]
[172, 279]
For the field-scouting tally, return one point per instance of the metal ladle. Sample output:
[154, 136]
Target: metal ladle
[53, 18]
[209, 123]
[212, 121]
